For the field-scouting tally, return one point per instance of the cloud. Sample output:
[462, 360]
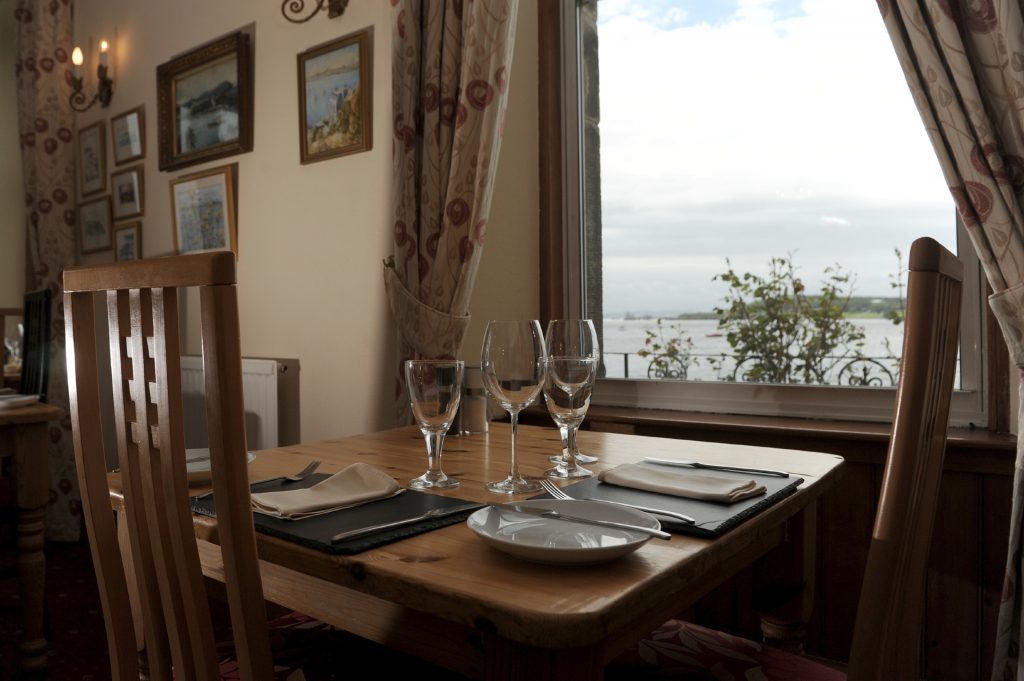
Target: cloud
[772, 127]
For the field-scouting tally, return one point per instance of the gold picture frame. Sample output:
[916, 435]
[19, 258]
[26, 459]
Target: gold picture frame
[94, 226]
[128, 135]
[205, 102]
[128, 241]
[92, 159]
[203, 210]
[336, 97]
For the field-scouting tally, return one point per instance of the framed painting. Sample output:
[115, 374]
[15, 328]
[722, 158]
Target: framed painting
[128, 135]
[204, 103]
[92, 158]
[335, 98]
[128, 241]
[203, 210]
[128, 192]
[94, 225]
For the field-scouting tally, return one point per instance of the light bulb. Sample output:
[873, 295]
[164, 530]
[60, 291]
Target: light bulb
[103, 52]
[76, 56]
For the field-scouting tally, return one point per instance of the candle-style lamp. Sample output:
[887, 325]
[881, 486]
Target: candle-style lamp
[104, 85]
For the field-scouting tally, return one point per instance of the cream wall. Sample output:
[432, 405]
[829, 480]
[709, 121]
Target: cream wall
[312, 238]
[12, 204]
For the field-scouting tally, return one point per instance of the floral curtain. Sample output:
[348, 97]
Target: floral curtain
[964, 63]
[450, 69]
[45, 125]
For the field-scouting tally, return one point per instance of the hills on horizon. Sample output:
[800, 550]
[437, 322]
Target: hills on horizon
[858, 306]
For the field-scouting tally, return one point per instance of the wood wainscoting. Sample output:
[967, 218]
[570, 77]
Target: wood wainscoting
[968, 548]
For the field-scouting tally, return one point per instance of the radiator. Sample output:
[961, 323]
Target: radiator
[270, 390]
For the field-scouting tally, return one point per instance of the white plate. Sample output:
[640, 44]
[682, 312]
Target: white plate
[197, 463]
[16, 401]
[547, 540]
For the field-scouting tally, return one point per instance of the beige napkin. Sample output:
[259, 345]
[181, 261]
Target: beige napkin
[690, 485]
[358, 484]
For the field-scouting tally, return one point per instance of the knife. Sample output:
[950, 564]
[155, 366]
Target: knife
[557, 515]
[647, 509]
[380, 527]
[716, 467]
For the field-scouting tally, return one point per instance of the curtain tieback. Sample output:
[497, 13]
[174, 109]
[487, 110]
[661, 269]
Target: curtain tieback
[1008, 307]
[430, 332]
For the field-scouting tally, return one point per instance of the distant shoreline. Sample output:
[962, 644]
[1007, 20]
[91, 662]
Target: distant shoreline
[711, 315]
[858, 307]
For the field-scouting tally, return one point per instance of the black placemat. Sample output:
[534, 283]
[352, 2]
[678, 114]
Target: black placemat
[316, 531]
[713, 519]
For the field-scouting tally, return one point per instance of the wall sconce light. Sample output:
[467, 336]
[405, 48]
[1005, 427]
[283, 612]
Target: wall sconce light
[104, 85]
[292, 9]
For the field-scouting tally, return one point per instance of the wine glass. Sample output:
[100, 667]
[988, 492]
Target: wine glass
[513, 363]
[573, 338]
[435, 388]
[567, 392]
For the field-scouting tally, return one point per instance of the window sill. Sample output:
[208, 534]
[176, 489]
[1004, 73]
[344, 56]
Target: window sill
[968, 450]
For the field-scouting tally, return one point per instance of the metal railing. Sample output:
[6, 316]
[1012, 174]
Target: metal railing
[847, 371]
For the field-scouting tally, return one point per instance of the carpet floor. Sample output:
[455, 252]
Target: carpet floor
[78, 643]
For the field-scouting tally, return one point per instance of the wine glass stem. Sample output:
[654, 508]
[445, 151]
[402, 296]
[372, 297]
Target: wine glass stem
[515, 462]
[435, 440]
[569, 442]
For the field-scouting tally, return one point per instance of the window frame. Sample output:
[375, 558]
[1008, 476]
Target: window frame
[980, 402]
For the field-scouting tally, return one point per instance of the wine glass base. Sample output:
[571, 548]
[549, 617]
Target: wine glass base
[429, 481]
[512, 485]
[580, 458]
[563, 472]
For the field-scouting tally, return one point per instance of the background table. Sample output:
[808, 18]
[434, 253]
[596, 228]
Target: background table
[23, 434]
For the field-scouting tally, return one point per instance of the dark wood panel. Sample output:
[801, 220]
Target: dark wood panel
[952, 627]
[845, 521]
[996, 496]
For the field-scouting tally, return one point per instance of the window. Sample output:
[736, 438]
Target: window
[708, 137]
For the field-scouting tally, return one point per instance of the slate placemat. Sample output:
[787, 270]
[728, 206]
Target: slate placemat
[712, 519]
[316, 532]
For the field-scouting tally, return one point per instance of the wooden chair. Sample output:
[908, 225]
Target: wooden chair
[142, 316]
[887, 632]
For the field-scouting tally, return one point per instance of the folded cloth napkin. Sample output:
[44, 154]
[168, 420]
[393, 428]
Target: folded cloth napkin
[690, 485]
[358, 484]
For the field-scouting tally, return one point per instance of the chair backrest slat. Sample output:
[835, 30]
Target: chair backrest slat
[886, 643]
[145, 366]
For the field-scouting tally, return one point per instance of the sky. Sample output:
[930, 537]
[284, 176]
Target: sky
[753, 129]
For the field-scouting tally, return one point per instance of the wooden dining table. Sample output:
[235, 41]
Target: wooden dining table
[449, 598]
[24, 436]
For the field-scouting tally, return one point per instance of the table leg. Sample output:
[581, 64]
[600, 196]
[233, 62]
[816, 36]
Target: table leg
[31, 475]
[784, 584]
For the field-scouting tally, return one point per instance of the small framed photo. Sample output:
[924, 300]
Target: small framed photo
[204, 103]
[128, 133]
[128, 192]
[92, 158]
[335, 98]
[94, 225]
[128, 241]
[203, 210]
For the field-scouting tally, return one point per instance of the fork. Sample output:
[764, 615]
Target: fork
[552, 489]
[312, 466]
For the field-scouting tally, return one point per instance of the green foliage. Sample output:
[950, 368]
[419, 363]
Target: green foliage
[896, 282]
[671, 349]
[779, 333]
